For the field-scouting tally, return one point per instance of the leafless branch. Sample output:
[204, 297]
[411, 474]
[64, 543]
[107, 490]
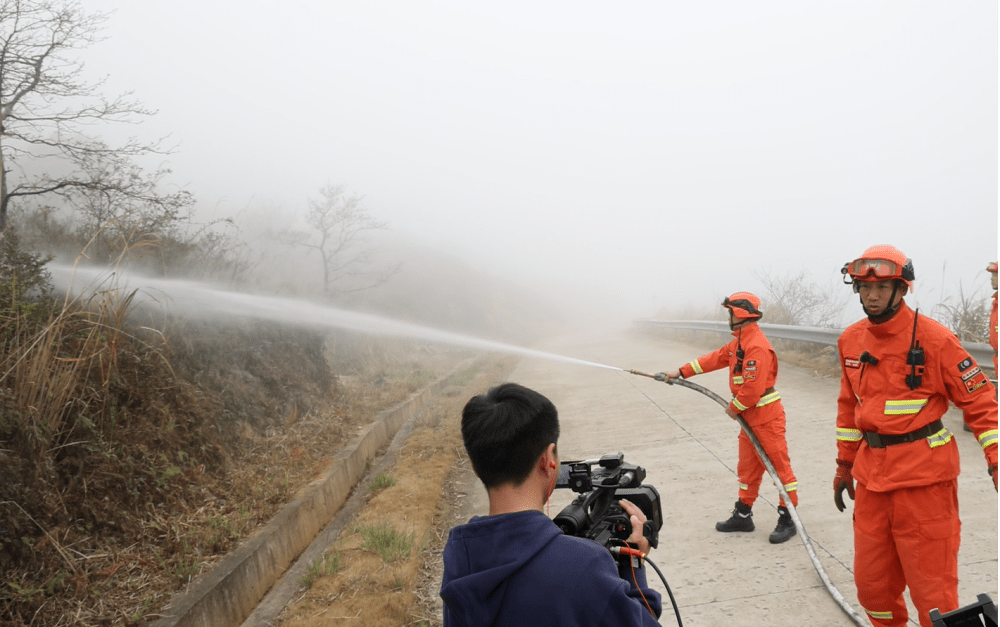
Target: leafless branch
[795, 300]
[46, 105]
[338, 225]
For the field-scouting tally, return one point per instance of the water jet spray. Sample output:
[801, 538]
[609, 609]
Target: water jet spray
[196, 299]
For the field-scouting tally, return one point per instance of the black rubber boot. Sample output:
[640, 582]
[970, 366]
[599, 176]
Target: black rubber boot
[741, 520]
[785, 528]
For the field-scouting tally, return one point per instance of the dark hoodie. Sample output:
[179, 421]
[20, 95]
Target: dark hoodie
[520, 569]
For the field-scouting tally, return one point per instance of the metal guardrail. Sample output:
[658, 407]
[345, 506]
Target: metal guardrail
[982, 353]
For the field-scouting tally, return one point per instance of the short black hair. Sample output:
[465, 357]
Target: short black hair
[506, 430]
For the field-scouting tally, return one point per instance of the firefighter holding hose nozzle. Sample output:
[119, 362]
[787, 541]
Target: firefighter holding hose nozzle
[753, 370]
[899, 371]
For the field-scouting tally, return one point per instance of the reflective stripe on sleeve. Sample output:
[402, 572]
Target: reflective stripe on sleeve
[911, 406]
[848, 435]
[740, 406]
[941, 437]
[737, 380]
[696, 367]
[988, 438]
[767, 399]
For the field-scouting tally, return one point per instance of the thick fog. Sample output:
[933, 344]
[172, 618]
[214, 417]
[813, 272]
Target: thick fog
[633, 157]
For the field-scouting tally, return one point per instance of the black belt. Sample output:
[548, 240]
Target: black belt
[878, 440]
[766, 392]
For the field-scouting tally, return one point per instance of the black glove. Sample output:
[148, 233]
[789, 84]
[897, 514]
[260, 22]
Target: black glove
[843, 480]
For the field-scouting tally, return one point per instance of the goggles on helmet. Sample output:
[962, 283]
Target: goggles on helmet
[876, 270]
[742, 303]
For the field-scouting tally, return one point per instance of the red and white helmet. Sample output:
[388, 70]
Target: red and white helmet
[992, 267]
[744, 306]
[879, 263]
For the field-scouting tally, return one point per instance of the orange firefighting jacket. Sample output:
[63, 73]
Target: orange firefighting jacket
[993, 332]
[751, 379]
[876, 397]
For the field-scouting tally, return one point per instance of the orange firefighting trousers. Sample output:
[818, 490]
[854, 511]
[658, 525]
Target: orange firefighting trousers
[907, 536]
[751, 469]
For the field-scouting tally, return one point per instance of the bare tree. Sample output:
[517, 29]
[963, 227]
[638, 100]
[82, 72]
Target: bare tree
[118, 203]
[48, 109]
[339, 224]
[795, 300]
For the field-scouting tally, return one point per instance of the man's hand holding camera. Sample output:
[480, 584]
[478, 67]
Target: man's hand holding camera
[638, 520]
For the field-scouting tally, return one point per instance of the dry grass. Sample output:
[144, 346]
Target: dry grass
[132, 461]
[416, 511]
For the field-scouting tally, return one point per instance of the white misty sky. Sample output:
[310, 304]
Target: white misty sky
[642, 155]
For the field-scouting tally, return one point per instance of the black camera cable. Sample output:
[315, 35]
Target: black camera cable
[618, 551]
[673, 601]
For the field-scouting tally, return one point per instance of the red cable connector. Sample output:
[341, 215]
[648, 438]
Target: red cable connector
[627, 550]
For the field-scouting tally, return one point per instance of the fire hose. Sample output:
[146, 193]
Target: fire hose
[806, 541]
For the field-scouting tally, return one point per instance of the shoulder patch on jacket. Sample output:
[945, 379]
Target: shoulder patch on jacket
[968, 375]
[965, 364]
[852, 362]
[975, 380]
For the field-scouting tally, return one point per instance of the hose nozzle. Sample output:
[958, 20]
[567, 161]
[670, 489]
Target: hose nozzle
[641, 374]
[659, 376]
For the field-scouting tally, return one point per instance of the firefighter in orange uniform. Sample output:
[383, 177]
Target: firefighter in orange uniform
[899, 370]
[992, 268]
[753, 369]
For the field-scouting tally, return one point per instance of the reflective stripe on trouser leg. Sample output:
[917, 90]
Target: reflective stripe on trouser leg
[906, 538]
[751, 469]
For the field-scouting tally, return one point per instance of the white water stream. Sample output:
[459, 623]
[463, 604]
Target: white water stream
[198, 299]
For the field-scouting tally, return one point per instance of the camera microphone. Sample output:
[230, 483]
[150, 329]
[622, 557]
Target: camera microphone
[626, 479]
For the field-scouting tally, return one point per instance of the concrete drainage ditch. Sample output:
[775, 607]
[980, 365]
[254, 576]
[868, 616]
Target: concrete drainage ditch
[228, 594]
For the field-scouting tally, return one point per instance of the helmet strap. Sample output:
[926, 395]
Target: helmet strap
[738, 323]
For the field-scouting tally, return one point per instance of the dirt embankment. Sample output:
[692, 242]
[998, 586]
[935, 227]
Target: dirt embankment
[206, 432]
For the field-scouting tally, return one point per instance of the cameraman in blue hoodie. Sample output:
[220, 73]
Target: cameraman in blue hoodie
[515, 567]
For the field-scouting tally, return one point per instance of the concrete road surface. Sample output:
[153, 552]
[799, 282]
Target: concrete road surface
[688, 447]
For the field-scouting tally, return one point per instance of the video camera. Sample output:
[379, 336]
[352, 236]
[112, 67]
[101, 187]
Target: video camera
[982, 613]
[596, 514]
